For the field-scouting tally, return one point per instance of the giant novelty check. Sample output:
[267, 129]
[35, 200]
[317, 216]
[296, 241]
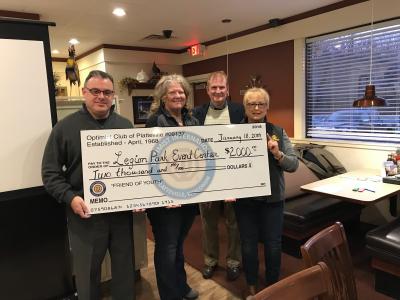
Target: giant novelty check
[125, 169]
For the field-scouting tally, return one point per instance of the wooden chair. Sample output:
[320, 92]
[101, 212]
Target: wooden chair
[330, 246]
[306, 284]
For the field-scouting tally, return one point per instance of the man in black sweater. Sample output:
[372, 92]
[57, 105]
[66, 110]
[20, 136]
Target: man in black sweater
[90, 236]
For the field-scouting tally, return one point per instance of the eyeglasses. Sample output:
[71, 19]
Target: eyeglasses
[254, 105]
[97, 92]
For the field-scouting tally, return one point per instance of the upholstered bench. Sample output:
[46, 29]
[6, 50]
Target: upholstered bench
[306, 214]
[383, 243]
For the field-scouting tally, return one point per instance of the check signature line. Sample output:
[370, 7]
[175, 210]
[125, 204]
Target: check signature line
[216, 190]
[231, 189]
[147, 197]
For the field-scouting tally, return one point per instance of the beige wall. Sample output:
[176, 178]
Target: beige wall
[124, 63]
[94, 61]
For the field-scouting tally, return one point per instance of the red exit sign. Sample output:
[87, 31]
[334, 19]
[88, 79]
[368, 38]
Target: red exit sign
[196, 50]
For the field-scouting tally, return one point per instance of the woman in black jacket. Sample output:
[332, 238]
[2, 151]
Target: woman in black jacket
[261, 218]
[170, 225]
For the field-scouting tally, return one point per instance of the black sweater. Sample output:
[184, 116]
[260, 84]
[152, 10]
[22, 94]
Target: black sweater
[62, 159]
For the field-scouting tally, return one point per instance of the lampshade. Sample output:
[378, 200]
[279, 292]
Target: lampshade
[369, 98]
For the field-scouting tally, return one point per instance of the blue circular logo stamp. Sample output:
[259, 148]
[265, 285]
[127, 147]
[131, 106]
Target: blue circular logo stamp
[182, 165]
[97, 188]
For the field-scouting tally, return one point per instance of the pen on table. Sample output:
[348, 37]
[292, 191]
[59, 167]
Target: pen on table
[362, 190]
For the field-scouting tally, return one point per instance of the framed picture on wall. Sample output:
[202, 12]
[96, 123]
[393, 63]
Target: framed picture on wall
[141, 108]
[61, 91]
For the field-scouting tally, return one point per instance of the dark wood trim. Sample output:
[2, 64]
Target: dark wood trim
[385, 266]
[132, 48]
[25, 21]
[143, 86]
[136, 48]
[59, 59]
[19, 15]
[295, 18]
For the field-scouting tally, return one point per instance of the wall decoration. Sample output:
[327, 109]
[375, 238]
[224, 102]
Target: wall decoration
[255, 81]
[72, 70]
[128, 83]
[142, 76]
[141, 108]
[61, 91]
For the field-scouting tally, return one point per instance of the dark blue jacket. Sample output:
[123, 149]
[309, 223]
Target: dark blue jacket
[288, 163]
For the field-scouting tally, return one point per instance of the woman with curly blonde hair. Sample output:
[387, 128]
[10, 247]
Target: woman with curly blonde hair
[171, 225]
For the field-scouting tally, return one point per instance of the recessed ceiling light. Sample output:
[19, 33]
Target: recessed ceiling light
[73, 41]
[55, 51]
[119, 12]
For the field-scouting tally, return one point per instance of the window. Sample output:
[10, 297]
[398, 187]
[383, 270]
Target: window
[337, 71]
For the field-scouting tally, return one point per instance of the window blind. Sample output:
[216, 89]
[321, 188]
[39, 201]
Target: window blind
[337, 71]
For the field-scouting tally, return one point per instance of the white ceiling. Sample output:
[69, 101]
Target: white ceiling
[93, 24]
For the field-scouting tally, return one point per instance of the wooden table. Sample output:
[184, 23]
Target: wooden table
[342, 186]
